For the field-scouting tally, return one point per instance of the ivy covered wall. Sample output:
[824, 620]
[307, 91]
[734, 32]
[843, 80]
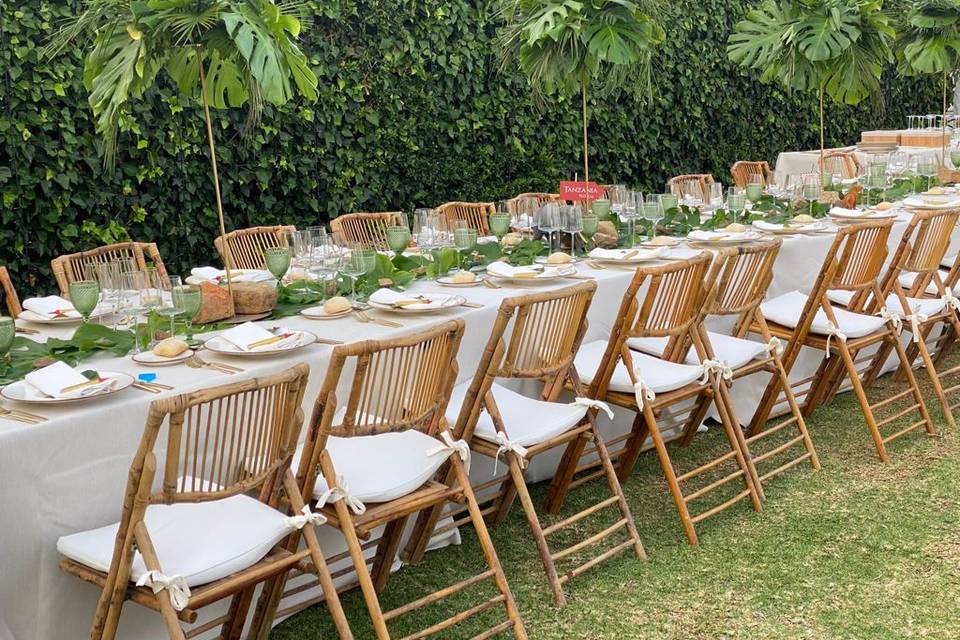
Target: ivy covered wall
[412, 112]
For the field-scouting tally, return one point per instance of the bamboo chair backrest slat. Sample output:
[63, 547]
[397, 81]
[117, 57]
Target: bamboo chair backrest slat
[247, 245]
[476, 214]
[921, 250]
[844, 163]
[742, 170]
[9, 294]
[397, 385]
[740, 277]
[673, 297]
[859, 252]
[696, 185]
[368, 229]
[71, 267]
[229, 439]
[529, 202]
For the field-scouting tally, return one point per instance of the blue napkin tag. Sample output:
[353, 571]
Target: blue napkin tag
[147, 377]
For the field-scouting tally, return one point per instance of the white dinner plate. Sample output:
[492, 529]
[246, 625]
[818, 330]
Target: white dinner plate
[317, 313]
[30, 316]
[541, 277]
[449, 303]
[870, 215]
[447, 281]
[18, 392]
[932, 202]
[227, 348]
[641, 256]
[150, 359]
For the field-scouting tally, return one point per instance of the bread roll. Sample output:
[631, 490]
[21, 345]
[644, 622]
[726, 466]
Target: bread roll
[802, 219]
[935, 191]
[884, 206]
[463, 277]
[559, 258]
[735, 227]
[170, 348]
[663, 241]
[338, 304]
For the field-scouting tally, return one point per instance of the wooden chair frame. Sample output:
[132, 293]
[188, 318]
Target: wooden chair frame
[922, 248]
[69, 268]
[247, 245]
[477, 214]
[541, 199]
[10, 297]
[262, 418]
[743, 169]
[853, 263]
[384, 397]
[849, 164]
[369, 229]
[672, 308]
[540, 344]
[701, 181]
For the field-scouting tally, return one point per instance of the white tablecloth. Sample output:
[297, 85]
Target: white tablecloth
[69, 473]
[799, 162]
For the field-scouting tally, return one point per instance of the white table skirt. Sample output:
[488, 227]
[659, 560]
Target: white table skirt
[69, 473]
[799, 162]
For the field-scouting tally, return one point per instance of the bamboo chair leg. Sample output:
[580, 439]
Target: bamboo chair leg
[912, 381]
[798, 414]
[829, 375]
[386, 552]
[507, 496]
[935, 381]
[864, 402]
[731, 425]
[697, 416]
[152, 563]
[949, 339]
[516, 474]
[671, 477]
[633, 445]
[232, 629]
[616, 489]
[486, 544]
[560, 484]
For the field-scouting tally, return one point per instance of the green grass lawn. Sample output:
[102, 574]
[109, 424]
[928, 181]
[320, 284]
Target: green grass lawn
[857, 550]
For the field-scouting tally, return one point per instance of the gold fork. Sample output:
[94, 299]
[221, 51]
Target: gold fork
[595, 265]
[363, 317]
[22, 416]
[487, 282]
[196, 362]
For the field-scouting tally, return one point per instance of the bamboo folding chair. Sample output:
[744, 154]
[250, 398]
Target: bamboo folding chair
[743, 170]
[10, 297]
[213, 529]
[398, 395]
[70, 268]
[844, 163]
[670, 399]
[530, 202]
[914, 289]
[694, 184]
[852, 265]
[535, 337]
[368, 229]
[247, 245]
[476, 214]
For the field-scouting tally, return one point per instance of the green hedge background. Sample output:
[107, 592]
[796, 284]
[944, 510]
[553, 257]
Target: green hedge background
[412, 112]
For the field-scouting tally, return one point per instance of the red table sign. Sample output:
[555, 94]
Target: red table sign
[570, 190]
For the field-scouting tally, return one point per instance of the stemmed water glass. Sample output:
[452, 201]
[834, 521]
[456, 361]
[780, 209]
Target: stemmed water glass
[171, 305]
[277, 260]
[573, 224]
[736, 202]
[398, 235]
[8, 331]
[652, 212]
[324, 260]
[188, 298]
[500, 220]
[668, 201]
[755, 187]
[591, 223]
[300, 245]
[716, 195]
[927, 169]
[84, 295]
[464, 239]
[355, 262]
[548, 221]
[811, 189]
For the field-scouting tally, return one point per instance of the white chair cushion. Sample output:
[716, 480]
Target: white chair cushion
[659, 375]
[202, 542]
[528, 421]
[840, 296]
[736, 352]
[907, 279]
[383, 467]
[926, 306]
[786, 310]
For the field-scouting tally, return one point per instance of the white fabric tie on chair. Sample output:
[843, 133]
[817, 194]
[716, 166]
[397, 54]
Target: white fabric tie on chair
[506, 445]
[722, 369]
[775, 346]
[306, 517]
[340, 492]
[642, 392]
[460, 447]
[590, 403]
[916, 319]
[892, 318]
[834, 331]
[176, 586]
[951, 301]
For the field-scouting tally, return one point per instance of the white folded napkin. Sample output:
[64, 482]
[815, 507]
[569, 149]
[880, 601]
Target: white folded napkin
[700, 235]
[505, 270]
[49, 306]
[846, 213]
[50, 382]
[767, 226]
[390, 297]
[246, 334]
[621, 254]
[237, 275]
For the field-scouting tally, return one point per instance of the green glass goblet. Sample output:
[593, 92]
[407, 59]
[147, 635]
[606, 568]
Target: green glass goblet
[84, 295]
[955, 159]
[669, 201]
[500, 225]
[591, 223]
[277, 260]
[8, 331]
[465, 239]
[754, 191]
[189, 298]
[398, 238]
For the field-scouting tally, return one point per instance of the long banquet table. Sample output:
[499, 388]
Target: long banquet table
[69, 473]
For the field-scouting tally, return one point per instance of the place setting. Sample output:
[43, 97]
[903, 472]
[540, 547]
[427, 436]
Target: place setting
[59, 383]
[249, 340]
[410, 303]
[530, 274]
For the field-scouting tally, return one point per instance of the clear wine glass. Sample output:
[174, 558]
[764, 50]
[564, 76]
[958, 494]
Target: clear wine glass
[188, 298]
[355, 263]
[548, 221]
[573, 224]
[736, 202]
[170, 305]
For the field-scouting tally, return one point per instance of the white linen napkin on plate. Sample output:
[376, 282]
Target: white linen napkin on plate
[390, 297]
[200, 274]
[620, 254]
[505, 270]
[50, 382]
[242, 336]
[49, 305]
[767, 226]
[846, 213]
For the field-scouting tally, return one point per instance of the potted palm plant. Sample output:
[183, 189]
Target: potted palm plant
[928, 42]
[832, 47]
[223, 53]
[570, 46]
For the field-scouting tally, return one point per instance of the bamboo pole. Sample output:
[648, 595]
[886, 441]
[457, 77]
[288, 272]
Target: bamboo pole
[227, 258]
[943, 124]
[821, 136]
[586, 152]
